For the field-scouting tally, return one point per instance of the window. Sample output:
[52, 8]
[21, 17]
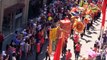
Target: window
[19, 11]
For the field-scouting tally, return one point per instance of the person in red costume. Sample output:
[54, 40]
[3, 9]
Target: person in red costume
[77, 50]
[76, 39]
[68, 55]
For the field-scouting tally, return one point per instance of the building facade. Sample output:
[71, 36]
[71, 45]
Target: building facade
[13, 14]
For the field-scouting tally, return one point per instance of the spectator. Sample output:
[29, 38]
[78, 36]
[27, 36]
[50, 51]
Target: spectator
[1, 57]
[6, 57]
[47, 53]
[27, 48]
[17, 41]
[37, 50]
[104, 39]
[15, 35]
[13, 56]
[18, 52]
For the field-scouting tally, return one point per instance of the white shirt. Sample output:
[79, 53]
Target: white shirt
[13, 58]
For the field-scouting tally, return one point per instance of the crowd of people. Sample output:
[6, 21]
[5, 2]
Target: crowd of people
[35, 35]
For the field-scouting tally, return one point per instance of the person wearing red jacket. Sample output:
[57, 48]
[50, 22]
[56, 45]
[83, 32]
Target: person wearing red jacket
[37, 50]
[1, 41]
[68, 55]
[77, 50]
[75, 39]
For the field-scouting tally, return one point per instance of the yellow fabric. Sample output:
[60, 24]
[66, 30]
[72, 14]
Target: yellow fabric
[49, 18]
[52, 37]
[81, 3]
[53, 34]
[50, 46]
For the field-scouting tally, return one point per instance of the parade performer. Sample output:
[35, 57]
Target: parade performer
[77, 50]
[68, 55]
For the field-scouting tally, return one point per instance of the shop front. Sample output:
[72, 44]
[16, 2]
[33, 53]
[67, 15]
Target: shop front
[12, 19]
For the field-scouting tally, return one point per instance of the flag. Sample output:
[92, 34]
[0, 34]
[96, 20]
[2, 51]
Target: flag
[104, 12]
[57, 52]
[50, 42]
[103, 19]
[53, 33]
[52, 37]
[59, 47]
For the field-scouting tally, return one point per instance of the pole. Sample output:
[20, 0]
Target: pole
[101, 36]
[103, 20]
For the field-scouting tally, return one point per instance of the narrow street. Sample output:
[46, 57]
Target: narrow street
[35, 33]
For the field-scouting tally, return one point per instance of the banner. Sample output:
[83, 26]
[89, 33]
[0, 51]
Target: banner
[103, 19]
[50, 46]
[59, 47]
[52, 37]
[104, 12]
[65, 25]
[53, 34]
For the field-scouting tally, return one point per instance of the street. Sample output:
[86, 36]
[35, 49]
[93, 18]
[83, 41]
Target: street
[87, 42]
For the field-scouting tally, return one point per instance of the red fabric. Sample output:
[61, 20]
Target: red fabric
[12, 49]
[78, 47]
[49, 14]
[76, 38]
[20, 52]
[58, 50]
[89, 1]
[95, 49]
[42, 40]
[38, 47]
[104, 12]
[100, 1]
[68, 55]
[68, 0]
[39, 35]
[1, 38]
[66, 18]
